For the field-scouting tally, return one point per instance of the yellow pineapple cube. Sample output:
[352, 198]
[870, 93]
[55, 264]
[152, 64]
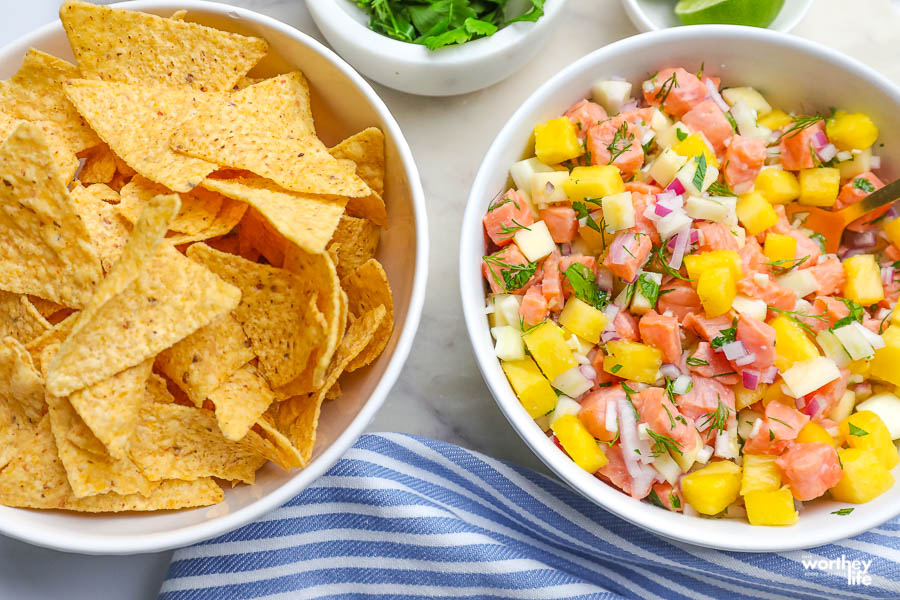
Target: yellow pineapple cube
[775, 119]
[777, 186]
[853, 131]
[583, 320]
[693, 145]
[717, 289]
[556, 141]
[884, 365]
[779, 247]
[755, 213]
[864, 479]
[863, 283]
[791, 343]
[530, 386]
[593, 182]
[773, 507]
[697, 263]
[868, 432]
[744, 397]
[820, 186]
[760, 474]
[892, 230]
[813, 432]
[547, 344]
[578, 443]
[712, 488]
[632, 360]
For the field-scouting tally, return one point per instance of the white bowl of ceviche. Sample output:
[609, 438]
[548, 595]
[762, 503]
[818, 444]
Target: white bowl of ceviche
[650, 321]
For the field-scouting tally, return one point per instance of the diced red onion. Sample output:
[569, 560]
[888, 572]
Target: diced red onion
[628, 106]
[676, 186]
[875, 162]
[774, 136]
[799, 403]
[715, 95]
[893, 212]
[670, 371]
[588, 371]
[628, 434]
[745, 360]
[650, 212]
[887, 275]
[769, 375]
[882, 313]
[549, 187]
[617, 249]
[661, 209]
[648, 86]
[678, 251]
[845, 253]
[819, 140]
[610, 336]
[860, 239]
[565, 249]
[812, 408]
[611, 311]
[750, 378]
[827, 152]
[605, 279]
[734, 350]
[612, 421]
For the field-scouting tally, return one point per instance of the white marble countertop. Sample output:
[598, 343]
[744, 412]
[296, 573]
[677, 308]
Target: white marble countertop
[440, 393]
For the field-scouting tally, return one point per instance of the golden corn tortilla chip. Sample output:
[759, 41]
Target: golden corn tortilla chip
[199, 207]
[365, 151]
[137, 122]
[256, 235]
[277, 310]
[99, 165]
[55, 335]
[240, 402]
[355, 242]
[178, 15]
[229, 243]
[45, 248]
[273, 444]
[20, 382]
[20, 319]
[45, 307]
[132, 47]
[65, 159]
[366, 289]
[307, 221]
[228, 218]
[107, 229]
[35, 93]
[298, 417]
[204, 360]
[35, 478]
[183, 442]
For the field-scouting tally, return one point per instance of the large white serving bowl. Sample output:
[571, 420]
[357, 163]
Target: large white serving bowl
[793, 74]
[414, 69]
[343, 104]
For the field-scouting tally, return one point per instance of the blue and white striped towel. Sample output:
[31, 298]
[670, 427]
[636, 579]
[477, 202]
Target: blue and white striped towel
[407, 517]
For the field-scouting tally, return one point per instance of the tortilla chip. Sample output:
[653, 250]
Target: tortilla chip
[365, 150]
[20, 382]
[227, 219]
[137, 122]
[277, 310]
[45, 249]
[229, 243]
[204, 360]
[35, 93]
[298, 417]
[99, 165]
[307, 221]
[132, 47]
[35, 478]
[355, 241]
[157, 390]
[20, 319]
[182, 442]
[65, 159]
[273, 444]
[257, 234]
[106, 227]
[56, 335]
[199, 207]
[366, 289]
[178, 15]
[241, 401]
[45, 307]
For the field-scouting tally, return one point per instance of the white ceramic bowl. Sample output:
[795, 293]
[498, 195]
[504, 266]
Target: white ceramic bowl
[650, 15]
[413, 68]
[793, 74]
[343, 103]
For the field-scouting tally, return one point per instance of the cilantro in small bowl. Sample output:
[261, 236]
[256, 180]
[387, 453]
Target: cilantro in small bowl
[440, 23]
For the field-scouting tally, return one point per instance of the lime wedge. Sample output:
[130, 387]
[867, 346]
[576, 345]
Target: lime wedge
[755, 13]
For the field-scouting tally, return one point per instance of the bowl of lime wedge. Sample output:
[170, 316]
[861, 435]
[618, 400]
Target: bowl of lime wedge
[780, 15]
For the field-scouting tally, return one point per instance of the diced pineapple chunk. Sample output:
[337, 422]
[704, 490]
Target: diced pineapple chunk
[686, 458]
[802, 282]
[844, 407]
[641, 304]
[717, 210]
[710, 489]
[859, 164]
[611, 94]
[697, 263]
[774, 507]
[780, 247]
[884, 365]
[509, 342]
[775, 119]
[506, 311]
[813, 432]
[572, 383]
[752, 307]
[864, 479]
[556, 141]
[548, 346]
[892, 230]
[535, 241]
[632, 360]
[687, 174]
[886, 406]
[791, 343]
[863, 283]
[760, 474]
[530, 386]
[870, 433]
[809, 375]
[523, 171]
[717, 290]
[673, 134]
[665, 166]
[548, 188]
[694, 145]
[755, 213]
[744, 397]
[777, 186]
[593, 182]
[751, 98]
[583, 320]
[578, 443]
[618, 211]
[851, 131]
[820, 186]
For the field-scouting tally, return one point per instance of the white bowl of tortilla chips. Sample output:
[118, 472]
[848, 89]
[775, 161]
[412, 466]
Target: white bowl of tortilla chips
[203, 320]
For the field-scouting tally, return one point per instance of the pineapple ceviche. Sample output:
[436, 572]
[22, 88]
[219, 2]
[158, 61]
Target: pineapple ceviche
[673, 331]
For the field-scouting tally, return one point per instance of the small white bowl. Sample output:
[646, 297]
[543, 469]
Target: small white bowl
[415, 69]
[343, 103]
[793, 74]
[651, 15]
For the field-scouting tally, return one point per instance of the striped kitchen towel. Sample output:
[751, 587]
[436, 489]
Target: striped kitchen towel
[407, 517]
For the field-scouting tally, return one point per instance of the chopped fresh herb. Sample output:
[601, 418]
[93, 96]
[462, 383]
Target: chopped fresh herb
[583, 212]
[702, 68]
[666, 88]
[819, 239]
[514, 277]
[646, 147]
[654, 499]
[510, 230]
[680, 134]
[675, 501]
[731, 120]
[861, 183]
[857, 431]
[620, 143]
[659, 256]
[671, 418]
[604, 384]
[857, 313]
[786, 264]
[628, 393]
[725, 374]
[663, 443]
[615, 369]
[843, 512]
[612, 441]
[700, 173]
[649, 288]
[725, 336]
[718, 418]
[782, 422]
[720, 189]
[584, 283]
[771, 435]
[696, 362]
[664, 292]
[792, 316]
[798, 124]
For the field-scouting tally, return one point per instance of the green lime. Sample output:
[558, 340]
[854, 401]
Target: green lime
[755, 13]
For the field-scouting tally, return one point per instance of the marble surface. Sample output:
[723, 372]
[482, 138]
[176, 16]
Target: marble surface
[440, 393]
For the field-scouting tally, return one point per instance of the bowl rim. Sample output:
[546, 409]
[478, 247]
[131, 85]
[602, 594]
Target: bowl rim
[155, 542]
[667, 524]
[636, 12]
[407, 53]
